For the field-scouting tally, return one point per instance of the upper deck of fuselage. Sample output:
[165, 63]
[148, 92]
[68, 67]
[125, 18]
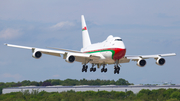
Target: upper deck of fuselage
[110, 42]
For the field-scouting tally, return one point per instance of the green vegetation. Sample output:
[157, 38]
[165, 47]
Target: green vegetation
[67, 82]
[143, 95]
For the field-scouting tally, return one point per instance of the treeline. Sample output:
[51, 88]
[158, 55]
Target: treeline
[67, 82]
[143, 95]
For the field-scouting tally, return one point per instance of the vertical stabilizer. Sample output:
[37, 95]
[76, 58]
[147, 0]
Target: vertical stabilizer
[85, 35]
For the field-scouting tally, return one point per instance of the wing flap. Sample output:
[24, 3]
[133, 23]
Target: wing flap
[65, 50]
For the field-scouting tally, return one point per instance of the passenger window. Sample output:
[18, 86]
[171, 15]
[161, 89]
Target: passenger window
[118, 39]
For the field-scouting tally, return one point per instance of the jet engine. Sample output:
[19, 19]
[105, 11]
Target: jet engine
[70, 58]
[37, 54]
[141, 62]
[160, 61]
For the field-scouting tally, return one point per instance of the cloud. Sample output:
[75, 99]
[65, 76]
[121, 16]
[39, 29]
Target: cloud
[10, 33]
[55, 75]
[8, 75]
[61, 25]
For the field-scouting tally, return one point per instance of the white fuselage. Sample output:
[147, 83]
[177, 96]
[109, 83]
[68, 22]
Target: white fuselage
[110, 42]
[107, 49]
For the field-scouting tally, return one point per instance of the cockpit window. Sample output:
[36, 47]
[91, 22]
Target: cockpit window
[118, 39]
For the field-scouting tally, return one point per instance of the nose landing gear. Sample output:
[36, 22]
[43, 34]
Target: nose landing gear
[116, 69]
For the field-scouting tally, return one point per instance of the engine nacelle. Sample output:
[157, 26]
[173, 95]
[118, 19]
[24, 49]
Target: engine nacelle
[37, 54]
[141, 62]
[70, 58]
[160, 61]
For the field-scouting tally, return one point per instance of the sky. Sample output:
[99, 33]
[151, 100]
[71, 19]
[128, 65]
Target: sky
[146, 27]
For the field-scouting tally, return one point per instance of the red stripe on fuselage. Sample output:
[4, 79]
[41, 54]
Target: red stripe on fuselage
[119, 53]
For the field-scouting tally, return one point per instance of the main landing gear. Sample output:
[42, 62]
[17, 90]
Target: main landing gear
[85, 67]
[92, 69]
[104, 69]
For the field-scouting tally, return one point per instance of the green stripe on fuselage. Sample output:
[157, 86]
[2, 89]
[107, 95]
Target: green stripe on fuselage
[112, 51]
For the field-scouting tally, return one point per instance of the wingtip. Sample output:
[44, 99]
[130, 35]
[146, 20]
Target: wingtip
[5, 44]
[175, 54]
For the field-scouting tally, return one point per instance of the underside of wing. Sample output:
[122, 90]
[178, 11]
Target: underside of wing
[149, 56]
[69, 55]
[141, 62]
[84, 58]
[37, 52]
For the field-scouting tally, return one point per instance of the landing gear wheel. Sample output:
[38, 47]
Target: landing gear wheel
[85, 67]
[114, 71]
[102, 70]
[105, 70]
[91, 69]
[117, 72]
[94, 69]
[118, 68]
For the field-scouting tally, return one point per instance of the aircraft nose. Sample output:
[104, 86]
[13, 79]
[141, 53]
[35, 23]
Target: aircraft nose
[123, 46]
[119, 53]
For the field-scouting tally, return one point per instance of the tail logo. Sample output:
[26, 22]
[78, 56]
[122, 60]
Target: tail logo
[85, 28]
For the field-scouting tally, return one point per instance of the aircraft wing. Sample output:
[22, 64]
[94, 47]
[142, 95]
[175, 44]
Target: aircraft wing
[79, 56]
[45, 51]
[135, 58]
[141, 62]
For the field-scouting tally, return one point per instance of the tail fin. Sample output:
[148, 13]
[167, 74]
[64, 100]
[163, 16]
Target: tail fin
[85, 35]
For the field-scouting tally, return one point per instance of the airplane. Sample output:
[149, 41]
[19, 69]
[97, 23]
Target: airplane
[110, 51]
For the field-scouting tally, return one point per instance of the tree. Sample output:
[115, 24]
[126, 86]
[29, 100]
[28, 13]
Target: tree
[34, 83]
[46, 84]
[112, 82]
[175, 95]
[25, 83]
[122, 82]
[56, 82]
